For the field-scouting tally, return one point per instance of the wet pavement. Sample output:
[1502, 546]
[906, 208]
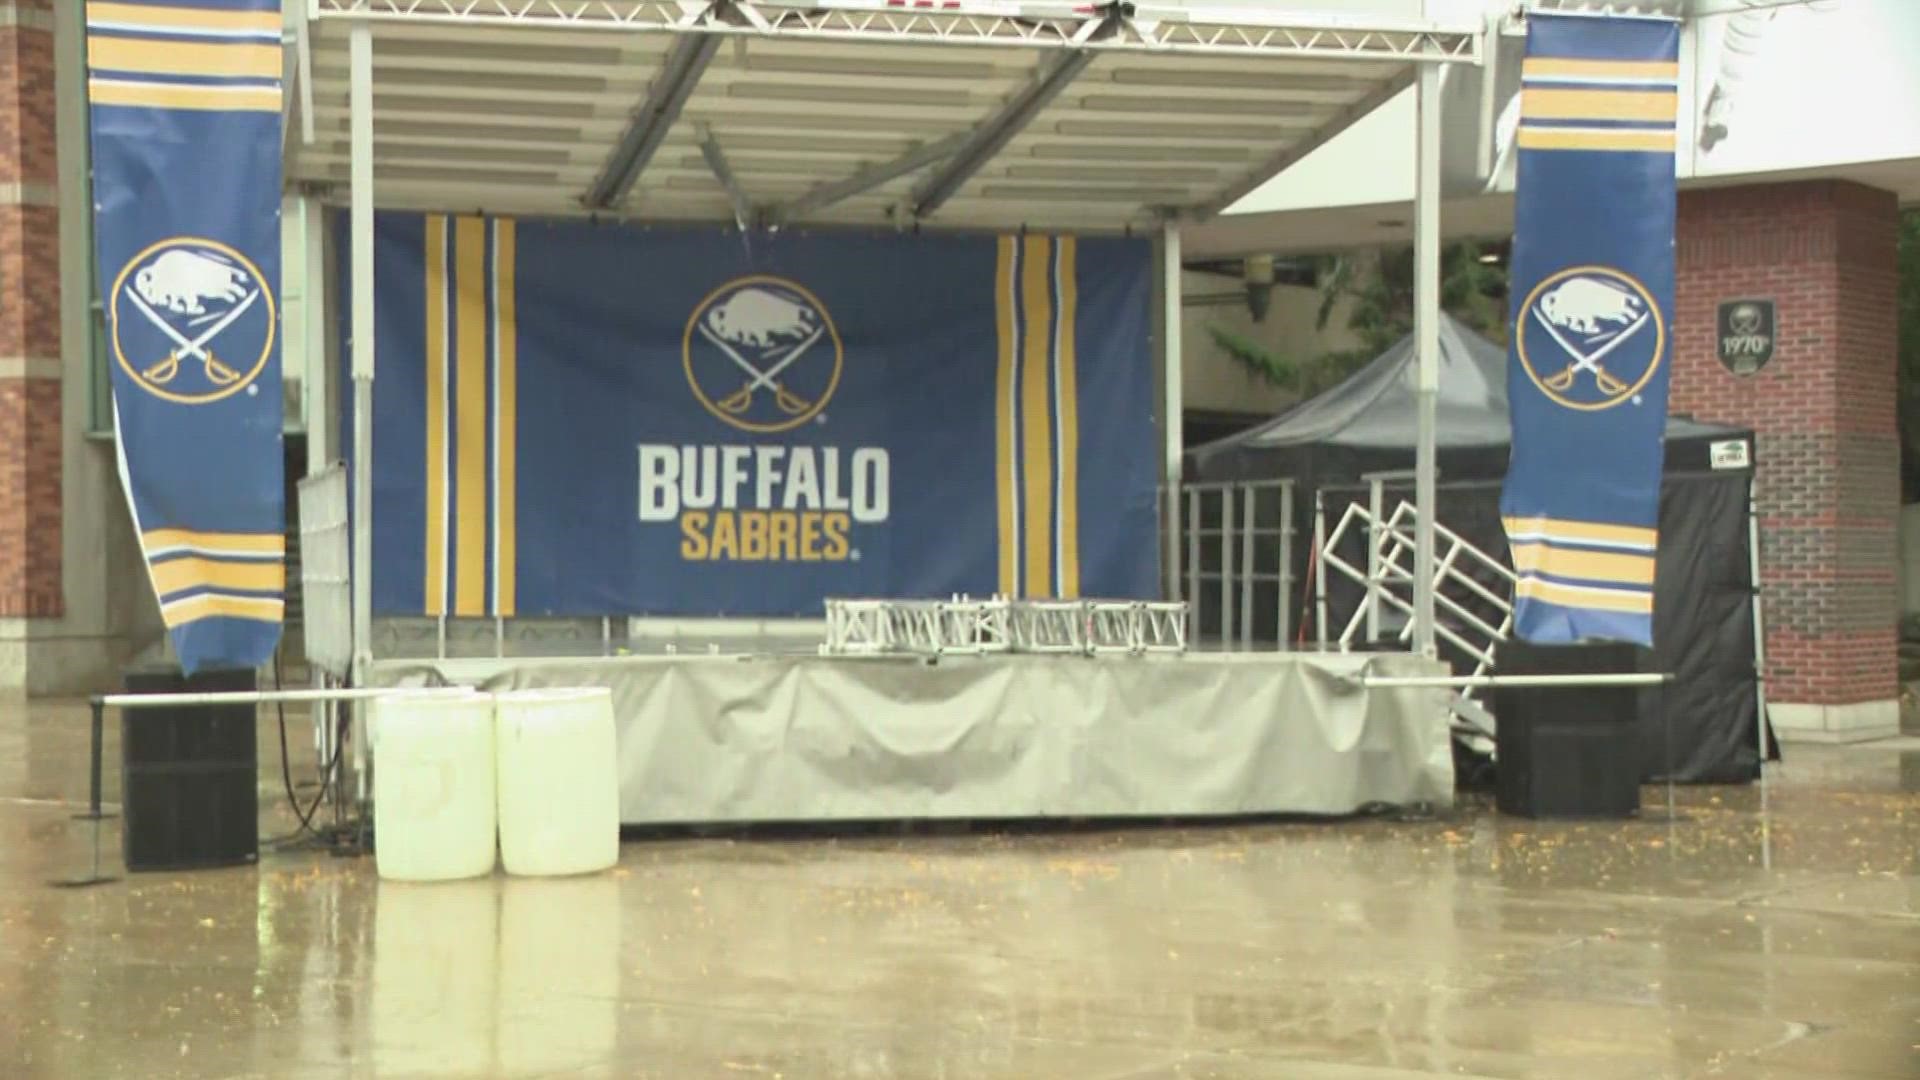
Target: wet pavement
[1771, 935]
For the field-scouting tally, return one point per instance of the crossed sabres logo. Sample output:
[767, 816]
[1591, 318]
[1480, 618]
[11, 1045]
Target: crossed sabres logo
[762, 354]
[170, 305]
[1590, 337]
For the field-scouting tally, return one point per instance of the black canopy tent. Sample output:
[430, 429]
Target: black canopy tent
[1703, 588]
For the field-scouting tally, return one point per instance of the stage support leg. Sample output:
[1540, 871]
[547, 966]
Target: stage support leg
[360, 177]
[1759, 634]
[1171, 398]
[1426, 331]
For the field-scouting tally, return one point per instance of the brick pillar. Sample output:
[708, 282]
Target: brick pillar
[30, 383]
[1823, 413]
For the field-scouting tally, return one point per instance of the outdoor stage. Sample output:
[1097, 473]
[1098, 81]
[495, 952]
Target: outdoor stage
[810, 738]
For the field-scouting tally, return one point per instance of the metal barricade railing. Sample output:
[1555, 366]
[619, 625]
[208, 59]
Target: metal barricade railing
[1228, 544]
[1389, 579]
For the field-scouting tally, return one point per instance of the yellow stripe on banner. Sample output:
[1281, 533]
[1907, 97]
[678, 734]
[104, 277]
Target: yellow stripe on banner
[1003, 412]
[208, 605]
[1602, 566]
[1036, 295]
[505, 357]
[1546, 67]
[254, 544]
[1596, 139]
[1067, 378]
[211, 20]
[1595, 599]
[142, 95]
[211, 59]
[1581, 532]
[436, 486]
[470, 416]
[177, 575]
[1536, 104]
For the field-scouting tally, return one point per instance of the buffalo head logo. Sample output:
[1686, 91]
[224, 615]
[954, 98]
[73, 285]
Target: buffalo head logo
[1590, 337]
[762, 354]
[192, 320]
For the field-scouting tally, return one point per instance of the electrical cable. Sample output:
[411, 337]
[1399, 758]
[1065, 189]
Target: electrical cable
[305, 817]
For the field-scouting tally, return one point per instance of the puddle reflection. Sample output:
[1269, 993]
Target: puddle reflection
[495, 976]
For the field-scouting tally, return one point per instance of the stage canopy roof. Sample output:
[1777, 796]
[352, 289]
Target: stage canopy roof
[767, 112]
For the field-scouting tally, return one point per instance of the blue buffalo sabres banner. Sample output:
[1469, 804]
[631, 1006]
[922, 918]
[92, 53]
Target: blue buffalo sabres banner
[184, 99]
[575, 419]
[1592, 284]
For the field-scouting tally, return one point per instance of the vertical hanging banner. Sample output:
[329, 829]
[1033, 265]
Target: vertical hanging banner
[185, 100]
[1592, 284]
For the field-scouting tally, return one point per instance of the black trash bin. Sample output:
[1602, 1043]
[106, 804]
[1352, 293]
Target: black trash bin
[189, 774]
[1567, 752]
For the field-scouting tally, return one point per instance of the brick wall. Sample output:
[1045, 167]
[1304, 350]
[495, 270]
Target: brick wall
[1823, 413]
[30, 384]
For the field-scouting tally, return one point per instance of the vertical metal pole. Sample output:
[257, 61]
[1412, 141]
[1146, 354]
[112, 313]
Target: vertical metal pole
[313, 344]
[1759, 628]
[1172, 403]
[1284, 634]
[1376, 499]
[96, 752]
[1193, 555]
[1248, 536]
[1426, 330]
[1320, 569]
[1226, 568]
[360, 227]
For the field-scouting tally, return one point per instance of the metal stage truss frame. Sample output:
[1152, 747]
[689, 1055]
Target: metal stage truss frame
[963, 626]
[962, 114]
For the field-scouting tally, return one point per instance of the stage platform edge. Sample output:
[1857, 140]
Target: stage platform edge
[765, 739]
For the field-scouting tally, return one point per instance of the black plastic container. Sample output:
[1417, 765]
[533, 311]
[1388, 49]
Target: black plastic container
[189, 775]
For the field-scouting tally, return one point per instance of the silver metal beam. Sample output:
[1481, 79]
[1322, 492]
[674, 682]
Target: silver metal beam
[868, 178]
[992, 134]
[1426, 332]
[723, 172]
[666, 96]
[1236, 31]
[1172, 404]
[360, 228]
[303, 67]
[1397, 682]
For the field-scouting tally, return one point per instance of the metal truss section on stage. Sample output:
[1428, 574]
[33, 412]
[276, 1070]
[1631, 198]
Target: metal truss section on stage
[955, 114]
[964, 626]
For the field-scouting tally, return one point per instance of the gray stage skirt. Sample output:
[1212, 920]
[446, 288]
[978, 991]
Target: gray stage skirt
[811, 738]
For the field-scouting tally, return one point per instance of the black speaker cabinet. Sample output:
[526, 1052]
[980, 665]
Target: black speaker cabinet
[1567, 752]
[189, 775]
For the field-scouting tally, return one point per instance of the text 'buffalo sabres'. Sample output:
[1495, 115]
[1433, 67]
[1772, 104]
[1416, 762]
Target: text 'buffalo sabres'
[762, 355]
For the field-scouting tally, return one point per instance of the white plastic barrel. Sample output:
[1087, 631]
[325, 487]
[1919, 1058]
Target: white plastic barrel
[559, 782]
[433, 785]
